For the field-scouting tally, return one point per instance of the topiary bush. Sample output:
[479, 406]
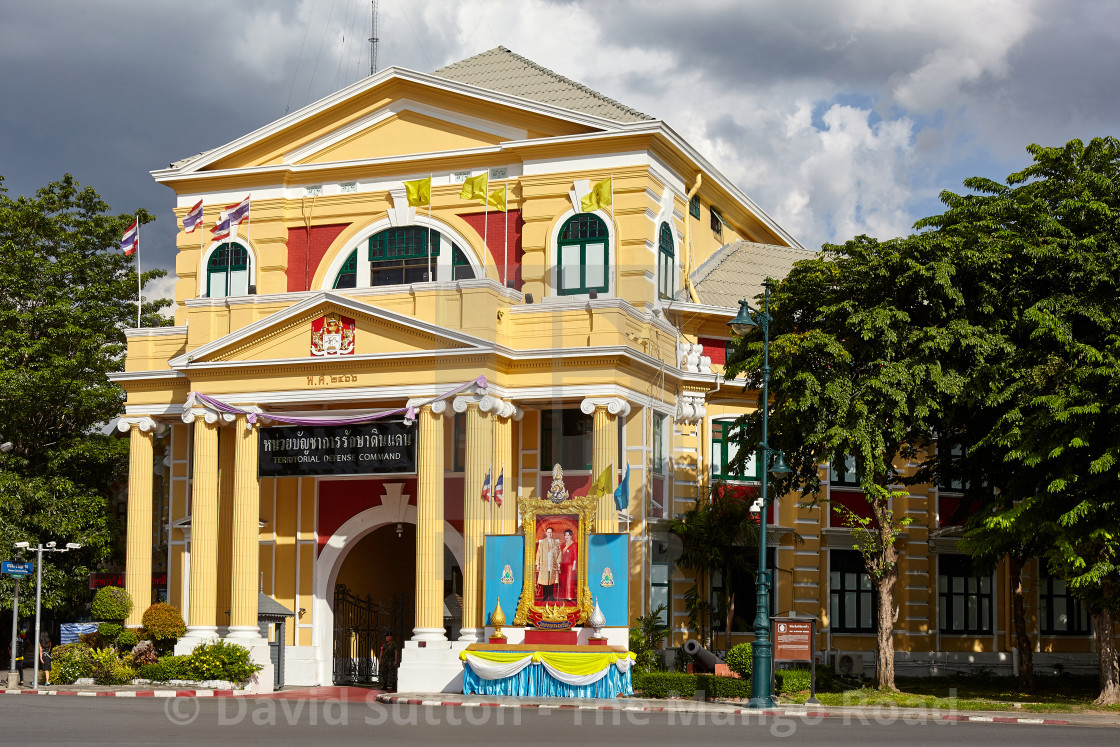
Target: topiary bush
[71, 662]
[111, 603]
[163, 623]
[109, 632]
[128, 638]
[740, 660]
[167, 668]
[220, 661]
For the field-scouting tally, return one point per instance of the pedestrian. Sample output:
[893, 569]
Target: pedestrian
[388, 662]
[45, 656]
[21, 646]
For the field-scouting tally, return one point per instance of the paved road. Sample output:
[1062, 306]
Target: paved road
[30, 719]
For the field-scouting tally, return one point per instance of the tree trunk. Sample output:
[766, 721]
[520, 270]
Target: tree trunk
[1105, 637]
[1019, 619]
[884, 636]
[730, 617]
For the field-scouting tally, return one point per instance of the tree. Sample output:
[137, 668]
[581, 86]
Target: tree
[66, 296]
[1038, 259]
[858, 338]
[717, 534]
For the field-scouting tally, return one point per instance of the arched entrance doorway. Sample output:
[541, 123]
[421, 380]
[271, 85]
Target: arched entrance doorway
[380, 523]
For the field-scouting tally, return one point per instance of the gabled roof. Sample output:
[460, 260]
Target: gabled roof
[738, 269]
[502, 70]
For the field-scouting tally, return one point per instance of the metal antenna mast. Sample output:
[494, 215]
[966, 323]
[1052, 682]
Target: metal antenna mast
[372, 37]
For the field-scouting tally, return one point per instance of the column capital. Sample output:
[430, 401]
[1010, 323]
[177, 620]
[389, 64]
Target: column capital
[614, 405]
[145, 423]
[485, 402]
[690, 408]
[414, 405]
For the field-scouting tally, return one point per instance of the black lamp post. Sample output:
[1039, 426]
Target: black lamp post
[762, 650]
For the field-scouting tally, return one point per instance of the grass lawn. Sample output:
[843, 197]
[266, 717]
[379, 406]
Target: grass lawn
[1065, 693]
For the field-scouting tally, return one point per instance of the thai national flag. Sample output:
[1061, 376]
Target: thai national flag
[486, 487]
[498, 487]
[193, 219]
[221, 231]
[238, 212]
[131, 239]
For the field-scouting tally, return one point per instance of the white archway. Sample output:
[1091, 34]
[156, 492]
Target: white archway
[394, 509]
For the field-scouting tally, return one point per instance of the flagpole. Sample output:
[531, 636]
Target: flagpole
[139, 284]
[430, 278]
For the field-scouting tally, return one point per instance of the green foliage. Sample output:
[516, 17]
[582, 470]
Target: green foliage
[166, 668]
[67, 294]
[111, 603]
[788, 681]
[679, 685]
[163, 622]
[645, 640]
[109, 632]
[220, 660]
[128, 638]
[740, 659]
[108, 669]
[70, 663]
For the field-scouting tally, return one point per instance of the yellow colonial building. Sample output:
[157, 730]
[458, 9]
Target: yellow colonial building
[524, 315]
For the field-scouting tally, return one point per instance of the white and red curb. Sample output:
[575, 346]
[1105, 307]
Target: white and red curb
[130, 693]
[393, 700]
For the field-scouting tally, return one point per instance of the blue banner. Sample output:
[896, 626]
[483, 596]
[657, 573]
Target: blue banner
[503, 580]
[608, 576]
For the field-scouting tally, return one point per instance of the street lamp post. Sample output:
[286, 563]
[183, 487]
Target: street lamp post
[49, 547]
[761, 691]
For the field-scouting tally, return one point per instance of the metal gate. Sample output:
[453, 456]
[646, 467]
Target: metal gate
[360, 626]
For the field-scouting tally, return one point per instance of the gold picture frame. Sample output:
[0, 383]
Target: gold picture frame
[529, 611]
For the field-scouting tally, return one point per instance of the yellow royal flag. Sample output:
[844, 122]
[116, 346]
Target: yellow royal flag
[602, 483]
[601, 195]
[498, 199]
[474, 188]
[419, 192]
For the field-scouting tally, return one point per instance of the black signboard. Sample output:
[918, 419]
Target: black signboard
[385, 447]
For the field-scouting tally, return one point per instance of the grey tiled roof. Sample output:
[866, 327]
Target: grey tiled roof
[267, 606]
[738, 269]
[502, 70]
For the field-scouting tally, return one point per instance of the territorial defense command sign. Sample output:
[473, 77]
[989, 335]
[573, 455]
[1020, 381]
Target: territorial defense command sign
[379, 448]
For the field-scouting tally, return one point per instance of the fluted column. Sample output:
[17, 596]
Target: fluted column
[227, 451]
[429, 524]
[480, 449]
[201, 621]
[244, 533]
[138, 552]
[604, 452]
[504, 517]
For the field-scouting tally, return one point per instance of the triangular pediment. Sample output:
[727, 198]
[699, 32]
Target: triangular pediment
[288, 335]
[395, 113]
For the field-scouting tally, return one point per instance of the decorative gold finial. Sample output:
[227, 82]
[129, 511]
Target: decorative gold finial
[498, 619]
[557, 493]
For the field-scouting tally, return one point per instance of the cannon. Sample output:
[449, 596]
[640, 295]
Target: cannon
[705, 660]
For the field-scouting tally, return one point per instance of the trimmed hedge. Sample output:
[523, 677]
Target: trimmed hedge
[789, 681]
[163, 623]
[679, 684]
[740, 659]
[167, 668]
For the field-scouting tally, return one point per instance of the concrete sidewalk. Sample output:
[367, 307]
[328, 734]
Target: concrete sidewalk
[861, 714]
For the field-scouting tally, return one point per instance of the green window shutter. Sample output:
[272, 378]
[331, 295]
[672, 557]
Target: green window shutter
[582, 251]
[227, 271]
[406, 242]
[694, 207]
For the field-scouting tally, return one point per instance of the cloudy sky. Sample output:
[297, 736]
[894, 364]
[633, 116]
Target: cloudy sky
[838, 117]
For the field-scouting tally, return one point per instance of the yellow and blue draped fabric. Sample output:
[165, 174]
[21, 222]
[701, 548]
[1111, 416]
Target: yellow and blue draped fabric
[547, 673]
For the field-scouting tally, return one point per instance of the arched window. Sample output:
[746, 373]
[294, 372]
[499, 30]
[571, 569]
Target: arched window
[582, 255]
[227, 271]
[400, 255]
[348, 275]
[665, 262]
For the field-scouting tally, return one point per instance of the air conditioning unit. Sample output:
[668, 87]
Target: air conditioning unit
[848, 663]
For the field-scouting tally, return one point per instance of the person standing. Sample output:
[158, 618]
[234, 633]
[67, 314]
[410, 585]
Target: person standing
[568, 557]
[45, 656]
[21, 646]
[547, 565]
[388, 661]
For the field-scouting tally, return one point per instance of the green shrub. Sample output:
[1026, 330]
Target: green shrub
[128, 638]
[93, 640]
[163, 622]
[109, 632]
[664, 684]
[723, 688]
[789, 681]
[220, 661]
[108, 669]
[111, 603]
[71, 662]
[645, 640]
[740, 660]
[167, 668]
